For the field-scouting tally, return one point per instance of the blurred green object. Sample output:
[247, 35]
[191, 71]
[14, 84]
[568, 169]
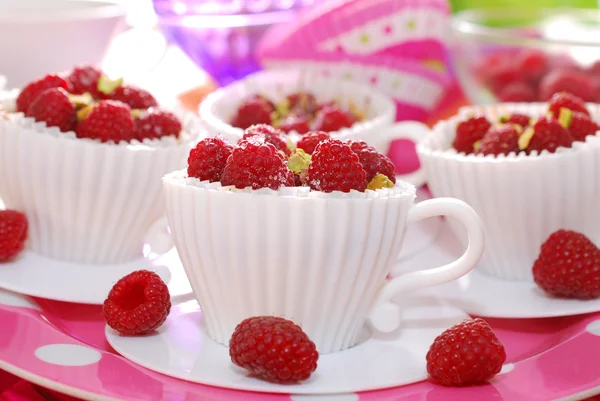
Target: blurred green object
[458, 5]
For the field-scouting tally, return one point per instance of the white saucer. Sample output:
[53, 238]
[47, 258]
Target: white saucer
[181, 349]
[483, 295]
[38, 276]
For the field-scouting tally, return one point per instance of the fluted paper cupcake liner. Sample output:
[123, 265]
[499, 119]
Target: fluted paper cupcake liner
[219, 108]
[521, 199]
[87, 202]
[317, 259]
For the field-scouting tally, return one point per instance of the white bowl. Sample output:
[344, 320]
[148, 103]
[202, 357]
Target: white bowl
[40, 36]
[219, 107]
[521, 199]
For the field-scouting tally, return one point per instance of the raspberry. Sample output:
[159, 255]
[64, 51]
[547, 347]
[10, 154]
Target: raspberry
[467, 353]
[500, 74]
[573, 82]
[273, 349]
[568, 266]
[138, 304]
[256, 163]
[548, 135]
[309, 141]
[578, 124]
[469, 132]
[271, 135]
[84, 79]
[332, 118]
[294, 123]
[517, 92]
[207, 160]
[32, 90]
[500, 140]
[567, 101]
[335, 167]
[136, 98]
[54, 108]
[13, 234]
[155, 123]
[533, 64]
[303, 102]
[109, 120]
[521, 120]
[372, 161]
[253, 111]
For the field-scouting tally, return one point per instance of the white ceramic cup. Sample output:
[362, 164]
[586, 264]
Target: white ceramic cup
[318, 259]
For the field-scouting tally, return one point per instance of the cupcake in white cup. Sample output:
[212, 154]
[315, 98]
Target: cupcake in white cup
[253, 242]
[88, 199]
[522, 196]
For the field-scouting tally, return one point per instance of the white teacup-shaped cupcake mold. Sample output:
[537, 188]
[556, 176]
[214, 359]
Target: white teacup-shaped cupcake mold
[87, 202]
[318, 259]
[521, 198]
[218, 109]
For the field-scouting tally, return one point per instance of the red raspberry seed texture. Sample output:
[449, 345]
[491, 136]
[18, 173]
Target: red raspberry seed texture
[272, 135]
[207, 160]
[309, 142]
[273, 349]
[466, 354]
[568, 266]
[500, 140]
[85, 79]
[257, 164]
[138, 304]
[372, 161]
[549, 135]
[136, 98]
[156, 123]
[332, 118]
[255, 110]
[335, 167]
[109, 120]
[13, 234]
[54, 108]
[32, 90]
[468, 132]
[567, 101]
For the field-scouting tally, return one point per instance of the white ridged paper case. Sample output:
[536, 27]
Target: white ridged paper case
[317, 259]
[521, 199]
[86, 202]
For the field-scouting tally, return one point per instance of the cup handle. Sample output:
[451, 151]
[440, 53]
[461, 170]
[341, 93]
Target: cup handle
[386, 315]
[413, 131]
[159, 237]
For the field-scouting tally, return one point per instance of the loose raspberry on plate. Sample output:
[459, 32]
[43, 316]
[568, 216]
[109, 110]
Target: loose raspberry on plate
[32, 90]
[578, 124]
[335, 167]
[500, 140]
[294, 123]
[467, 353]
[135, 98]
[13, 234]
[138, 304]
[255, 110]
[332, 118]
[54, 107]
[568, 266]
[84, 79]
[574, 82]
[309, 142]
[108, 120]
[207, 160]
[469, 132]
[271, 135]
[273, 349]
[372, 161]
[521, 120]
[567, 101]
[546, 134]
[517, 92]
[256, 163]
[156, 123]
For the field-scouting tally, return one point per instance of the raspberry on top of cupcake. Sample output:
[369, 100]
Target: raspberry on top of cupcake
[567, 120]
[87, 102]
[263, 159]
[299, 112]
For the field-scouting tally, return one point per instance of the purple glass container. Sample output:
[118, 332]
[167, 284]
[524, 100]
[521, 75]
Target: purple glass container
[220, 35]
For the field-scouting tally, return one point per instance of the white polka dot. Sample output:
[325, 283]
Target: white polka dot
[334, 397]
[594, 328]
[507, 368]
[68, 354]
[12, 299]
